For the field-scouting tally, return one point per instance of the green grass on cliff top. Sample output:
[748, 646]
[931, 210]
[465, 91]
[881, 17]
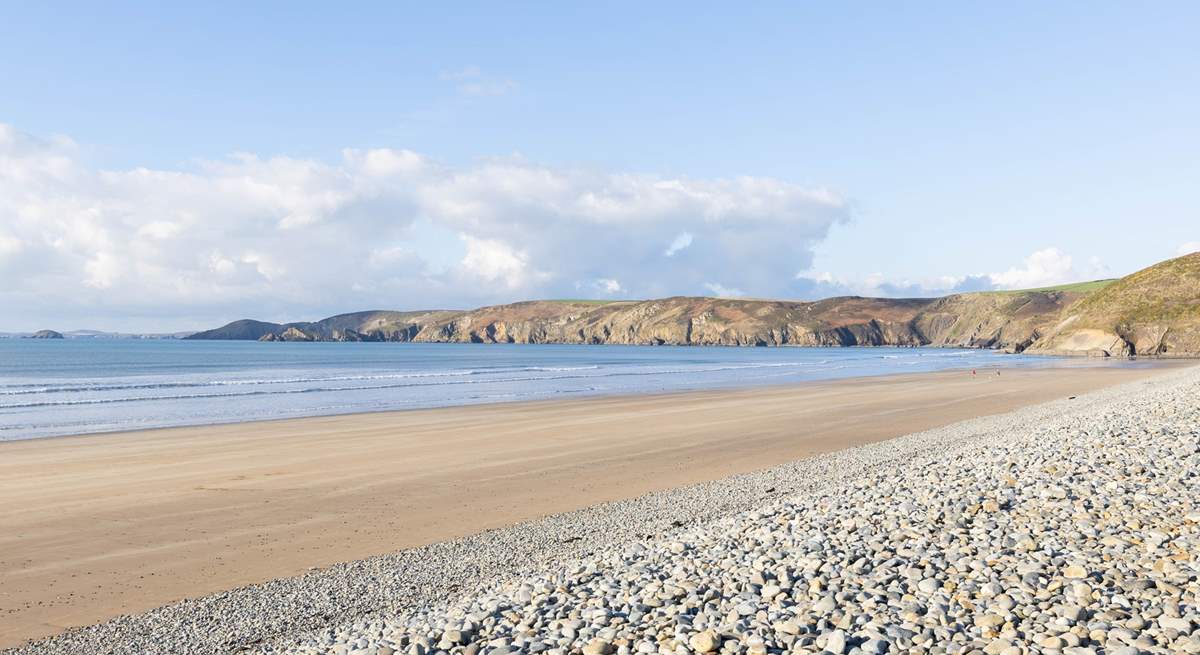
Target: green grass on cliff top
[583, 301]
[1077, 287]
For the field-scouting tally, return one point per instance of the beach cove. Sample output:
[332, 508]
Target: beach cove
[121, 523]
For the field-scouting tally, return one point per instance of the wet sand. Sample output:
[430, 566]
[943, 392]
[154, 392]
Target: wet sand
[101, 525]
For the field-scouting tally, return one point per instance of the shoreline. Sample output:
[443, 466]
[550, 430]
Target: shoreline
[792, 562]
[265, 520]
[1138, 363]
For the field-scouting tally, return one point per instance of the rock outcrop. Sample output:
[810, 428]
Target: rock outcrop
[1008, 320]
[973, 320]
[294, 334]
[46, 334]
[1152, 312]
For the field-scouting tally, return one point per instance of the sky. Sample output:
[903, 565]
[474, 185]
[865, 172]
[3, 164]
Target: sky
[172, 166]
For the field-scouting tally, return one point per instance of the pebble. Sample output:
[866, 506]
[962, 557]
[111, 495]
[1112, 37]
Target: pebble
[705, 641]
[1068, 527]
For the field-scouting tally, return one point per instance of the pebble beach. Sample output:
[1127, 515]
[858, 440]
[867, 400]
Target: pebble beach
[1067, 527]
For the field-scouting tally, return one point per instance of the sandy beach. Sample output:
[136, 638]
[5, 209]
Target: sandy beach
[97, 526]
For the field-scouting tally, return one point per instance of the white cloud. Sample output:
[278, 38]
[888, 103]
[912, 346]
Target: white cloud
[680, 242]
[9, 245]
[464, 73]
[492, 260]
[607, 286]
[288, 238]
[1045, 267]
[472, 81]
[723, 291]
[1188, 248]
[102, 269]
[158, 230]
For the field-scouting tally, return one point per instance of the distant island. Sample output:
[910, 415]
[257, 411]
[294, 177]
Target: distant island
[75, 335]
[1153, 312]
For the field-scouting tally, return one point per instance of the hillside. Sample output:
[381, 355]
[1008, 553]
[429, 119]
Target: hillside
[243, 330]
[978, 320]
[1155, 311]
[1081, 287]
[1152, 312]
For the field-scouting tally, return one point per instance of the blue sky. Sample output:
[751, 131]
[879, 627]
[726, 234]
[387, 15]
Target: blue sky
[958, 141]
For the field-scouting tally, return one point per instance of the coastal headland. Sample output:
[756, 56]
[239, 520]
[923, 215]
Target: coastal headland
[1152, 312]
[98, 526]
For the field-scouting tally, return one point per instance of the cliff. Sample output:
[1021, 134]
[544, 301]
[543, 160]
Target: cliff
[1006, 320]
[975, 320]
[245, 329]
[1155, 311]
[1152, 312]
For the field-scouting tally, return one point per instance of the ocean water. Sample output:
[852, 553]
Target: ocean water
[50, 388]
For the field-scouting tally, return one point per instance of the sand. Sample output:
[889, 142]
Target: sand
[96, 526]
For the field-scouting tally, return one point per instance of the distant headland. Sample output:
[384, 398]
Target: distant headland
[1153, 312]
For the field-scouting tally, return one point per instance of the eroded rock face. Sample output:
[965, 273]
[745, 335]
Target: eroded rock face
[1152, 312]
[295, 334]
[971, 320]
[726, 322]
[1094, 343]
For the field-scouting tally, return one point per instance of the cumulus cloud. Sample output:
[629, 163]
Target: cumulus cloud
[1185, 249]
[723, 291]
[679, 243]
[494, 261]
[288, 238]
[605, 286]
[472, 81]
[1043, 268]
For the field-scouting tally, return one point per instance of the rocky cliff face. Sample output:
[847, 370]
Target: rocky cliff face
[1152, 312]
[294, 334]
[1155, 311]
[974, 320]
[687, 321]
[1011, 321]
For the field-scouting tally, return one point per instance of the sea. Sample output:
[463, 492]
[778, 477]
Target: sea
[77, 386]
